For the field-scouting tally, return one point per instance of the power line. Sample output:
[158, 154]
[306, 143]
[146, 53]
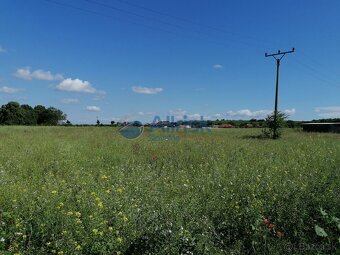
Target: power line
[317, 74]
[140, 24]
[105, 15]
[315, 71]
[311, 59]
[214, 28]
[131, 13]
[161, 21]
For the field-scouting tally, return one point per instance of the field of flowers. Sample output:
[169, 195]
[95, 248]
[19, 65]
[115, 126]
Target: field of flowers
[87, 190]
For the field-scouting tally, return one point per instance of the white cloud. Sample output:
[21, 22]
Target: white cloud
[246, 113]
[8, 90]
[93, 108]
[145, 90]
[178, 113]
[76, 85]
[39, 74]
[217, 115]
[328, 112]
[217, 66]
[2, 49]
[146, 113]
[70, 100]
[290, 111]
[195, 116]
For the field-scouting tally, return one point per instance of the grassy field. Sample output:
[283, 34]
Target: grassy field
[87, 190]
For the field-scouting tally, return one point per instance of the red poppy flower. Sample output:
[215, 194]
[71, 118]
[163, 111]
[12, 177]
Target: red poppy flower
[265, 221]
[279, 233]
[271, 225]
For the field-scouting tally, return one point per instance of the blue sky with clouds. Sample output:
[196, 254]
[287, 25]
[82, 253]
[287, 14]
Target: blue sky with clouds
[130, 59]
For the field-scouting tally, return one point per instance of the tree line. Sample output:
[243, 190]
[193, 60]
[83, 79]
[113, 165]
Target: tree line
[13, 113]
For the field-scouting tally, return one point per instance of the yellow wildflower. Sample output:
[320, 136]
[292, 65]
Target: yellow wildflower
[54, 192]
[119, 239]
[125, 218]
[78, 248]
[78, 214]
[110, 229]
[119, 190]
[69, 213]
[100, 205]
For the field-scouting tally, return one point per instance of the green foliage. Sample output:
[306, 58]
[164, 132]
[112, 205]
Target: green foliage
[330, 227]
[14, 114]
[87, 190]
[274, 127]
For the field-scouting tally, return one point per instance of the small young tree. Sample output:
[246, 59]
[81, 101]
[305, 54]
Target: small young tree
[273, 128]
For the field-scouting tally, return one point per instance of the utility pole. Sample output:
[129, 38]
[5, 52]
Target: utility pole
[278, 56]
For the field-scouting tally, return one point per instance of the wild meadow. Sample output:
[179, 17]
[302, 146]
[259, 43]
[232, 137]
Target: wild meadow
[87, 190]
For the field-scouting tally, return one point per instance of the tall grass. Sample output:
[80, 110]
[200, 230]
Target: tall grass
[87, 190]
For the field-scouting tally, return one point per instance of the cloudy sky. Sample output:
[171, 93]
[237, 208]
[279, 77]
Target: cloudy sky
[132, 60]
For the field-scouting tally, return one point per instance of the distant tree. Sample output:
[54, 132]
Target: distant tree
[40, 113]
[14, 114]
[68, 122]
[49, 116]
[112, 122]
[270, 125]
[11, 114]
[29, 115]
[53, 116]
[98, 122]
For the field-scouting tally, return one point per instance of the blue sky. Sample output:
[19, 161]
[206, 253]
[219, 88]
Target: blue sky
[130, 59]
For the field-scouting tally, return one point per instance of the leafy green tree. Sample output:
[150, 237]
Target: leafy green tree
[14, 114]
[273, 129]
[29, 115]
[40, 112]
[11, 114]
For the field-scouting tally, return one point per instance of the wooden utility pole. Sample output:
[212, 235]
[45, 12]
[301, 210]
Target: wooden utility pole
[278, 60]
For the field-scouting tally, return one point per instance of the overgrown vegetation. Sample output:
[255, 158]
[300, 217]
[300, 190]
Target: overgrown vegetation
[87, 190]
